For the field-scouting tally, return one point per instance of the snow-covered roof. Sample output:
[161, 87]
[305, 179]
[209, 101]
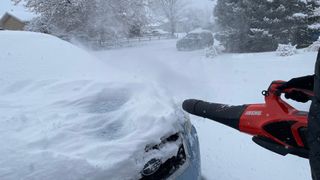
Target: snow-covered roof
[20, 15]
[19, 10]
[199, 30]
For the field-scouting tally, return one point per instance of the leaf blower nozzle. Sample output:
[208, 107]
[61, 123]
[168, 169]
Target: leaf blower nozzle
[227, 115]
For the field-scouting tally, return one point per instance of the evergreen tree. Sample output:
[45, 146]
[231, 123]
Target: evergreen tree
[259, 25]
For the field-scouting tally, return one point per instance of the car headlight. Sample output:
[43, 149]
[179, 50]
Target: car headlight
[160, 167]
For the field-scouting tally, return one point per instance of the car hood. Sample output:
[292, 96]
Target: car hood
[61, 118]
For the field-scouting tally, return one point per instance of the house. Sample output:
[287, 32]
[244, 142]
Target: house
[15, 19]
[12, 22]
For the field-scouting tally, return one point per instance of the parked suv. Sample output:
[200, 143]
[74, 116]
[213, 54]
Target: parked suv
[197, 39]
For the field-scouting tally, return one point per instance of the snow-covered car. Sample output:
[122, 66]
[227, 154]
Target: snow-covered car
[159, 32]
[66, 115]
[196, 39]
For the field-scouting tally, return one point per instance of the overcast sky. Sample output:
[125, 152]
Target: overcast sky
[7, 6]
[203, 3]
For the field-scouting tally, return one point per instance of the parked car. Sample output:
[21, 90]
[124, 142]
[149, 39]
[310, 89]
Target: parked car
[66, 115]
[197, 39]
[159, 32]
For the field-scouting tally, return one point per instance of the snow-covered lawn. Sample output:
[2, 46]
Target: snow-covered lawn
[229, 78]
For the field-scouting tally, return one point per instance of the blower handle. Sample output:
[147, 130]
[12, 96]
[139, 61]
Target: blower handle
[273, 89]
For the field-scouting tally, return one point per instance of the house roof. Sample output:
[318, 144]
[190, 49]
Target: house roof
[22, 14]
[16, 16]
[6, 16]
[18, 10]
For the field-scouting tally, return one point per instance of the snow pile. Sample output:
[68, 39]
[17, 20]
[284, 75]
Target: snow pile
[27, 55]
[286, 50]
[65, 115]
[315, 46]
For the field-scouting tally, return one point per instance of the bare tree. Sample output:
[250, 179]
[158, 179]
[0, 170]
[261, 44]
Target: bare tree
[105, 20]
[172, 10]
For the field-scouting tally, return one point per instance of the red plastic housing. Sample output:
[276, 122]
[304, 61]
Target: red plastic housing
[257, 116]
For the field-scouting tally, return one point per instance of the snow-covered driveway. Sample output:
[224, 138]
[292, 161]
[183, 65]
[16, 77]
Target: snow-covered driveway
[230, 78]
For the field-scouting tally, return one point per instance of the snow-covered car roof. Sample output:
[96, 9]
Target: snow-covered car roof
[199, 30]
[66, 115]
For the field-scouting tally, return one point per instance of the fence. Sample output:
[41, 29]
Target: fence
[125, 42]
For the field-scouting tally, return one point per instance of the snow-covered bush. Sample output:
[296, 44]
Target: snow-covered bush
[286, 50]
[214, 51]
[315, 46]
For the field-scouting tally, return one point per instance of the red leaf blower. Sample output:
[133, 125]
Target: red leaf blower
[274, 125]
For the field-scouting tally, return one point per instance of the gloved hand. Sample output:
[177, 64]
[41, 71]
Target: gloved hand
[305, 82]
[297, 96]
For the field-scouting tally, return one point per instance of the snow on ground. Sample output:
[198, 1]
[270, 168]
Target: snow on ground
[66, 115]
[229, 78]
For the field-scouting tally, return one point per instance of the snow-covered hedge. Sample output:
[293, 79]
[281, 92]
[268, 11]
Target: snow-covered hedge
[214, 51]
[315, 46]
[286, 50]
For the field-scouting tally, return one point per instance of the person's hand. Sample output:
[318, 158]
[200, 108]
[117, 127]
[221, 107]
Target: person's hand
[303, 83]
[299, 96]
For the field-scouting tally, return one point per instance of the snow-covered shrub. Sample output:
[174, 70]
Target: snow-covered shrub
[211, 52]
[286, 50]
[214, 51]
[315, 46]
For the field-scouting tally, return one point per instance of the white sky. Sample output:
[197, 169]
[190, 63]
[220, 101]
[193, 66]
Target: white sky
[7, 6]
[203, 3]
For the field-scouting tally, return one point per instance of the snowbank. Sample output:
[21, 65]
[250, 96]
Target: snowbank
[315, 46]
[64, 115]
[30, 55]
[286, 50]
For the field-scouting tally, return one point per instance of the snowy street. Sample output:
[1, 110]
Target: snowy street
[231, 79]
